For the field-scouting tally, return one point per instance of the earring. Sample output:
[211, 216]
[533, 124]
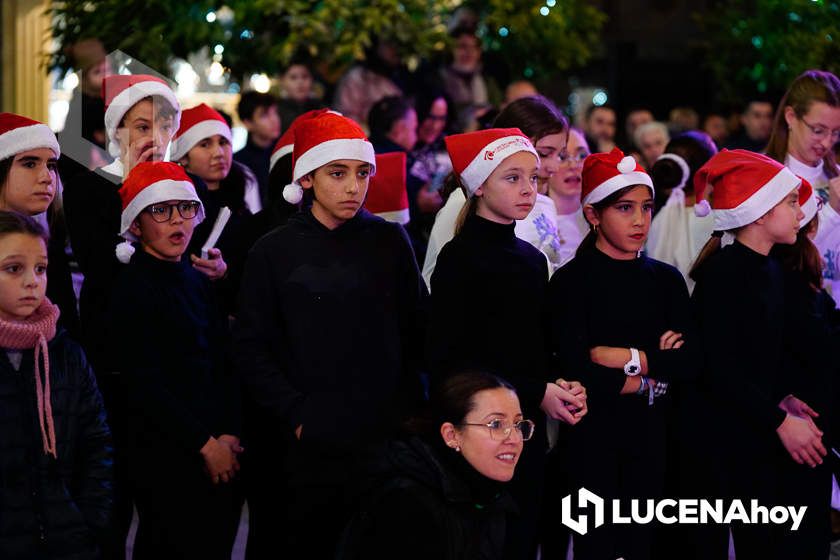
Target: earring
[595, 227]
[455, 446]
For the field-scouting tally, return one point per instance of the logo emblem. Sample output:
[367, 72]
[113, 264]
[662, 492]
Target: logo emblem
[488, 155]
[580, 525]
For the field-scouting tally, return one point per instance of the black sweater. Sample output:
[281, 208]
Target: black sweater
[812, 334]
[488, 294]
[595, 300]
[330, 327]
[739, 304]
[170, 338]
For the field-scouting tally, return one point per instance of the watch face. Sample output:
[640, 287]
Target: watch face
[633, 369]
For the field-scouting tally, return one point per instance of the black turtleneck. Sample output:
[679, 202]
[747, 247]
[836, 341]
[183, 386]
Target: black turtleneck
[739, 304]
[488, 294]
[596, 300]
[330, 327]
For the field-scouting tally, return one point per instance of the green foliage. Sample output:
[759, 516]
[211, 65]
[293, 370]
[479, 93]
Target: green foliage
[263, 35]
[762, 45]
[537, 46]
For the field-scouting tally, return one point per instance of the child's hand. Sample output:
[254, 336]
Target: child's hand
[220, 461]
[140, 150]
[797, 407]
[559, 403]
[802, 439]
[233, 443]
[576, 389]
[214, 267]
[670, 340]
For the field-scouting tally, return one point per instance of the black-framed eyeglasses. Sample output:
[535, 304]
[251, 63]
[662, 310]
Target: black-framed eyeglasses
[188, 209]
[820, 132]
[566, 157]
[500, 431]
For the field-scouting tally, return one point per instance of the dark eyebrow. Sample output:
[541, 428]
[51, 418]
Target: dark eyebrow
[36, 159]
[627, 201]
[337, 166]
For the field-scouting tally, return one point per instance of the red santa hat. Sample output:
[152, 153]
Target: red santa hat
[286, 143]
[122, 91]
[812, 205]
[744, 186]
[198, 123]
[152, 182]
[607, 173]
[322, 139]
[20, 134]
[387, 196]
[475, 155]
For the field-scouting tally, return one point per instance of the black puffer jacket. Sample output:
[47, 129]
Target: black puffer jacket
[430, 503]
[53, 508]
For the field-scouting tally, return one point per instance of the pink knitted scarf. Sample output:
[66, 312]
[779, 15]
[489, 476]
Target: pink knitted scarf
[34, 332]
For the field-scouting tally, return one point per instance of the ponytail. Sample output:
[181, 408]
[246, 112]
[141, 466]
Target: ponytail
[711, 247]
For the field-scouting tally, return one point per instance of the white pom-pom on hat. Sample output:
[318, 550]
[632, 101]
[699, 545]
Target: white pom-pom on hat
[293, 193]
[125, 251]
[627, 164]
[702, 208]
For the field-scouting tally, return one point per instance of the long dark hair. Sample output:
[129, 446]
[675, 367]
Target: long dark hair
[803, 256]
[232, 188]
[812, 86]
[451, 399]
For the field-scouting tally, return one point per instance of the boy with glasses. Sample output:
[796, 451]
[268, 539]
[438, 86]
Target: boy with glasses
[329, 333]
[169, 338]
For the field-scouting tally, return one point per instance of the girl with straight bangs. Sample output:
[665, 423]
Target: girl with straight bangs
[742, 394]
[622, 322]
[547, 129]
[488, 293]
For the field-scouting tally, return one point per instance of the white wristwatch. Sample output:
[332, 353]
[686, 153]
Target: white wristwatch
[634, 366]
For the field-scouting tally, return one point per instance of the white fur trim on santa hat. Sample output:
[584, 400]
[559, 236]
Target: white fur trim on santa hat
[490, 157]
[129, 97]
[156, 193]
[285, 150]
[331, 150]
[616, 183]
[396, 216]
[810, 209]
[197, 133]
[761, 202]
[28, 138]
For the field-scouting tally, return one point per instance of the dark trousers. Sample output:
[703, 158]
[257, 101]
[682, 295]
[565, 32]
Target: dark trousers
[186, 518]
[323, 487]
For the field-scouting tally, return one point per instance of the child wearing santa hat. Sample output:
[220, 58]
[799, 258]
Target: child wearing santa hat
[142, 114]
[739, 302]
[169, 337]
[202, 145]
[625, 357]
[29, 185]
[488, 287]
[811, 336]
[329, 332]
[55, 455]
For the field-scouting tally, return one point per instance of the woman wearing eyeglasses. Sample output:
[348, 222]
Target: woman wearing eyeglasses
[440, 493]
[805, 129]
